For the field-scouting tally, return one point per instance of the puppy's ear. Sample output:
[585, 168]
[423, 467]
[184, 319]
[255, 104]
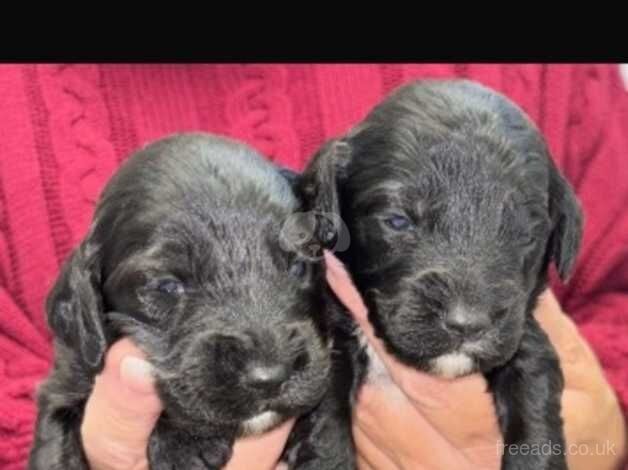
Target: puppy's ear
[566, 217]
[75, 307]
[319, 188]
[564, 209]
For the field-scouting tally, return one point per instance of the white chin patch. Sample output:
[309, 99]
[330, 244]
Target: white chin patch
[452, 365]
[260, 423]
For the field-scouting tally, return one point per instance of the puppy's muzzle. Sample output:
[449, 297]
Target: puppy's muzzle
[261, 361]
[267, 377]
[468, 323]
[454, 301]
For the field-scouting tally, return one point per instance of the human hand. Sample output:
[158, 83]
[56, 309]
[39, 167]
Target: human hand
[123, 409]
[418, 421]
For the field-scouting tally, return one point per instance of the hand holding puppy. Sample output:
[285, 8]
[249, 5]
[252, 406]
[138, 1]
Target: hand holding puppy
[121, 411]
[124, 406]
[422, 422]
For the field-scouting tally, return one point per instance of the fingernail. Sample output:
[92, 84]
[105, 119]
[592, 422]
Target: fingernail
[136, 369]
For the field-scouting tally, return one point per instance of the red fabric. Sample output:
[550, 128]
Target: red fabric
[64, 129]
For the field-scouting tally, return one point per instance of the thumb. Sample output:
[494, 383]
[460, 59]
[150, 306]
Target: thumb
[121, 411]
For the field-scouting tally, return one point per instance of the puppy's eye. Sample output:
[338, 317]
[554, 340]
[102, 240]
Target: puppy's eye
[398, 222]
[298, 269]
[170, 287]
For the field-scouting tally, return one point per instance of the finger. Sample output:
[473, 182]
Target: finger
[128, 384]
[564, 335]
[589, 405]
[260, 451]
[402, 432]
[466, 399]
[343, 286]
[363, 464]
[562, 332]
[122, 408]
[369, 456]
[410, 439]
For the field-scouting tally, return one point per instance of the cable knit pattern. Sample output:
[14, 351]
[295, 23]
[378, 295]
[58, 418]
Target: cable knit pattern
[259, 110]
[66, 128]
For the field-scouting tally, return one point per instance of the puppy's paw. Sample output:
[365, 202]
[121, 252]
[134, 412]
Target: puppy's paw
[171, 449]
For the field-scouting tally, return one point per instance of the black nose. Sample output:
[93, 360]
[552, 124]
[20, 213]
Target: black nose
[466, 322]
[267, 377]
[228, 349]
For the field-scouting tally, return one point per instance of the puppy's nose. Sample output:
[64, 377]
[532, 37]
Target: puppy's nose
[228, 348]
[466, 322]
[267, 377]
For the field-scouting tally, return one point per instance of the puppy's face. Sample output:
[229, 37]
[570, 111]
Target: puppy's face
[229, 319]
[231, 325]
[447, 252]
[453, 221]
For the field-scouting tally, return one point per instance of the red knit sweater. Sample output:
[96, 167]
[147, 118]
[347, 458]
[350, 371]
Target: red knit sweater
[65, 129]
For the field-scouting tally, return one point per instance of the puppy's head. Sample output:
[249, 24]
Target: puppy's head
[455, 210]
[184, 255]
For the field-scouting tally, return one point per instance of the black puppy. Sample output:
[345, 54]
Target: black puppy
[185, 255]
[455, 211]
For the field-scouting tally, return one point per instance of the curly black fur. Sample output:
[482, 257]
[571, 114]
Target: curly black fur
[455, 211]
[184, 256]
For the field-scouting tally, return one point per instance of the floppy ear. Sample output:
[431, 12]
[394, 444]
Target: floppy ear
[566, 217]
[75, 307]
[564, 209]
[319, 189]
